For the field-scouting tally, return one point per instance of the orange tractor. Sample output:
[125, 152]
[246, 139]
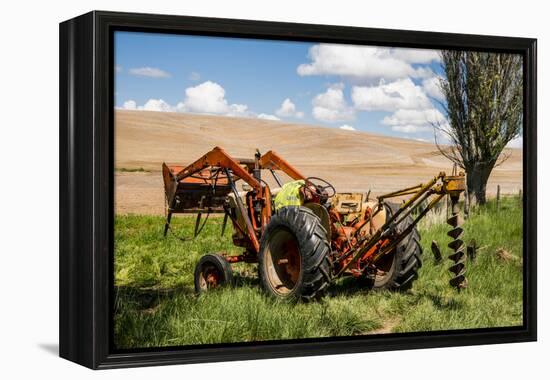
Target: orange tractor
[303, 234]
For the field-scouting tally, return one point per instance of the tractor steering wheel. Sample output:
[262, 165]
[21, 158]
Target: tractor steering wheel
[323, 187]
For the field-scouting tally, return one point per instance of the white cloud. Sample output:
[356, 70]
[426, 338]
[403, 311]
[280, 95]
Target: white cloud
[268, 117]
[118, 68]
[151, 72]
[400, 94]
[426, 117]
[209, 97]
[432, 88]
[158, 105]
[366, 62]
[288, 109]
[416, 55]
[129, 105]
[515, 143]
[194, 76]
[346, 127]
[411, 128]
[424, 72]
[238, 110]
[383, 81]
[415, 120]
[330, 106]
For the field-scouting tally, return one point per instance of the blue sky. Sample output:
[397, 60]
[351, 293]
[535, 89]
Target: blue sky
[374, 89]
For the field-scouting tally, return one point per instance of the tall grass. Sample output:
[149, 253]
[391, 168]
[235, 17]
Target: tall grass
[155, 304]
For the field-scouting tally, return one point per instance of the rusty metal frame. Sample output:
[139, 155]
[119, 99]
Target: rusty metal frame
[220, 159]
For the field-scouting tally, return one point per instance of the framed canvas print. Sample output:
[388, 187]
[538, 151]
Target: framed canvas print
[238, 189]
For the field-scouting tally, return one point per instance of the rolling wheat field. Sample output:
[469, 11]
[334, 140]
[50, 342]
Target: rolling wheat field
[353, 161]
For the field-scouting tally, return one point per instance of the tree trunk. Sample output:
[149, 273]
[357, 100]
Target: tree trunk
[478, 175]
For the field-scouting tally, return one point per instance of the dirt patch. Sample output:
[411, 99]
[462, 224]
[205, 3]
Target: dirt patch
[387, 328]
[139, 193]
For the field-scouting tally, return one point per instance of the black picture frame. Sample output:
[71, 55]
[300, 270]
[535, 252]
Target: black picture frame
[87, 175]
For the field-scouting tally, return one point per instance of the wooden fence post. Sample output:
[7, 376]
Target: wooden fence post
[436, 252]
[498, 196]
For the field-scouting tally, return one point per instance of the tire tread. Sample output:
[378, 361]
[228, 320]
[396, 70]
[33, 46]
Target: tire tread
[314, 249]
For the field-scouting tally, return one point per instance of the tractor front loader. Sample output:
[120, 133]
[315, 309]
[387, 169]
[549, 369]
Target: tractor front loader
[303, 234]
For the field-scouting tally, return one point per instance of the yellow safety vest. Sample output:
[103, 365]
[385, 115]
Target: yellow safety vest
[290, 195]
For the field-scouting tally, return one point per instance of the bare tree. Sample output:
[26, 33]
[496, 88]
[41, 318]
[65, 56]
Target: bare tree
[484, 109]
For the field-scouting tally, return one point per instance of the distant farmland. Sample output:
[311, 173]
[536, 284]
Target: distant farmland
[351, 160]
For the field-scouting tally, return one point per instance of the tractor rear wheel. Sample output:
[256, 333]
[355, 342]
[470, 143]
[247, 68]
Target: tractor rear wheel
[212, 271]
[294, 255]
[398, 270]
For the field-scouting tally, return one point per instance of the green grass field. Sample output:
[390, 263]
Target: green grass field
[155, 304]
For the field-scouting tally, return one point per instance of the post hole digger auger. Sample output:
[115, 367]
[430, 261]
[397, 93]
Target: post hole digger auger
[304, 234]
[458, 256]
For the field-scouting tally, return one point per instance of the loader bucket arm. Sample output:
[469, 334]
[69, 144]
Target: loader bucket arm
[217, 157]
[273, 161]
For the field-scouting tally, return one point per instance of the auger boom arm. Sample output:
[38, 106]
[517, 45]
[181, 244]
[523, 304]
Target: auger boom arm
[386, 239]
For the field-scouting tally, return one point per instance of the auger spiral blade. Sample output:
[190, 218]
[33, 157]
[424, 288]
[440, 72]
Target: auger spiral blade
[458, 256]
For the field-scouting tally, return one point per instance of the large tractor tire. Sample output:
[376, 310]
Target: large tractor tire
[398, 270]
[294, 255]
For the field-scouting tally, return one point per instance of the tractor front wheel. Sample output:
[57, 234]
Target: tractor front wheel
[212, 271]
[294, 255]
